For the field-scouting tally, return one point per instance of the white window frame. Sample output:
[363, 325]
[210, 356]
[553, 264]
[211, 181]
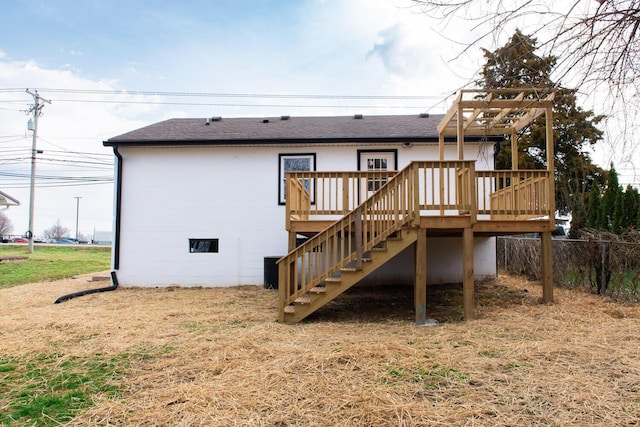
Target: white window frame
[282, 160]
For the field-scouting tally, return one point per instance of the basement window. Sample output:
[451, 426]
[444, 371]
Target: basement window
[203, 246]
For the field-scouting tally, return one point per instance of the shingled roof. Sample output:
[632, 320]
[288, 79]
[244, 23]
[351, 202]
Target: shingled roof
[284, 129]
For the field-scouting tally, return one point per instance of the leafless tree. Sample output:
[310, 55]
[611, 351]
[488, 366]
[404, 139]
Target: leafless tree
[6, 226]
[56, 232]
[596, 43]
[598, 40]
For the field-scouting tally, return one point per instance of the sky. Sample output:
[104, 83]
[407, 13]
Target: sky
[109, 67]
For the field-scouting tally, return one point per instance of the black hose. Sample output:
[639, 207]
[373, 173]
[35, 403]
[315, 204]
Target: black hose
[113, 287]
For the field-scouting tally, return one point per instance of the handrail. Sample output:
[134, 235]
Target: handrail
[296, 196]
[331, 193]
[517, 194]
[396, 204]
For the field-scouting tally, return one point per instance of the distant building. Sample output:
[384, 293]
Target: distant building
[6, 201]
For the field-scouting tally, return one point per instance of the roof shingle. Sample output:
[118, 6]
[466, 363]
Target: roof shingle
[283, 129]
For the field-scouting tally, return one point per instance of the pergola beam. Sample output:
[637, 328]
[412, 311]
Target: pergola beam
[485, 114]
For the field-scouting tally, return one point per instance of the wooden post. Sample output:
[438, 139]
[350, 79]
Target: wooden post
[345, 193]
[514, 151]
[283, 285]
[415, 188]
[359, 238]
[547, 267]
[467, 280]
[441, 146]
[420, 279]
[292, 240]
[460, 133]
[473, 195]
[550, 167]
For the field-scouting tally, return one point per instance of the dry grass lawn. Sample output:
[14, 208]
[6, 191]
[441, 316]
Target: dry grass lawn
[217, 357]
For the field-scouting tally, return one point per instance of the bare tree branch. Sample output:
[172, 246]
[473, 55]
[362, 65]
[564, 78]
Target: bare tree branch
[596, 44]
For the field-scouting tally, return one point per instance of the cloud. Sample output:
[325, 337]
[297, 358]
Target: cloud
[72, 127]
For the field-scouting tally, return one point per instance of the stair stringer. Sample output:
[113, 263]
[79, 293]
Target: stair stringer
[350, 277]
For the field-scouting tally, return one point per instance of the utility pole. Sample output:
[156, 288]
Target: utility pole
[36, 109]
[77, 214]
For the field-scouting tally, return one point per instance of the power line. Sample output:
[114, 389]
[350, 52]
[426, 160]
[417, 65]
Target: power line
[226, 95]
[218, 104]
[255, 96]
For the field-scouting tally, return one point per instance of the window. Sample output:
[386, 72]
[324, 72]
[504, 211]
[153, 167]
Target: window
[373, 184]
[375, 161]
[203, 246]
[294, 163]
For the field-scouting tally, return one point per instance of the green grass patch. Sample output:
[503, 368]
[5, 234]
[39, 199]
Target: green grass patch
[49, 389]
[50, 263]
[435, 377]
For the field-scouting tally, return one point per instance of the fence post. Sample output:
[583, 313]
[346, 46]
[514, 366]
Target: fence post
[603, 285]
[504, 239]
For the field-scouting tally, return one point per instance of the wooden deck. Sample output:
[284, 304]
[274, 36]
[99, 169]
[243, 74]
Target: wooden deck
[357, 221]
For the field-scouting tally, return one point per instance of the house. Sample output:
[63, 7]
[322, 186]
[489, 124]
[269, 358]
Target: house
[211, 201]
[6, 201]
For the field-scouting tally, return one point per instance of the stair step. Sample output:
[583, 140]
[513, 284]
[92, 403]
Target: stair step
[379, 249]
[303, 299]
[333, 280]
[290, 309]
[320, 289]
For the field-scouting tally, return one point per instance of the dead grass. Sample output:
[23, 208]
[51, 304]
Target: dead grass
[217, 357]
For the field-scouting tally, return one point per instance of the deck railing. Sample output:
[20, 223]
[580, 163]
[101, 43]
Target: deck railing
[497, 194]
[519, 194]
[446, 187]
[398, 202]
[330, 194]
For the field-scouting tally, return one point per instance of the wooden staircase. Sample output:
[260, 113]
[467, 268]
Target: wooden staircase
[350, 249]
[348, 276]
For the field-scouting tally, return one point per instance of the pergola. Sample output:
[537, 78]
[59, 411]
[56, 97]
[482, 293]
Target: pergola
[505, 112]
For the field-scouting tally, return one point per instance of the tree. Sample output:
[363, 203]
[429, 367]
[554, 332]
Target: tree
[593, 211]
[517, 65]
[611, 194]
[628, 209]
[6, 226]
[578, 216]
[598, 41]
[56, 232]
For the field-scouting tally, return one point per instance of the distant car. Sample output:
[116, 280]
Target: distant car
[69, 241]
[65, 241]
[20, 240]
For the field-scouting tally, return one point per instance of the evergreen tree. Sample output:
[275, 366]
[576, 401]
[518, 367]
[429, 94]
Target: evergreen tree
[617, 221]
[578, 216]
[574, 129]
[593, 211]
[630, 205]
[609, 200]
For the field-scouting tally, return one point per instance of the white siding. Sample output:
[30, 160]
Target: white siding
[170, 195]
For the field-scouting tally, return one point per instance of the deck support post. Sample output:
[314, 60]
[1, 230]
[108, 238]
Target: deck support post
[547, 267]
[292, 240]
[420, 279]
[467, 280]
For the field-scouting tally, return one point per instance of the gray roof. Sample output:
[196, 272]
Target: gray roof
[283, 129]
